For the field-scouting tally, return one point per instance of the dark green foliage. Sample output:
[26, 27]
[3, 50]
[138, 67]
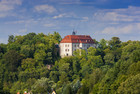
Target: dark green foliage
[54, 75]
[130, 86]
[42, 85]
[83, 90]
[67, 90]
[114, 42]
[31, 63]
[12, 59]
[11, 39]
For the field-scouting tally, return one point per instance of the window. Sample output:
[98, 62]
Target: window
[75, 45]
[66, 50]
[68, 45]
[78, 45]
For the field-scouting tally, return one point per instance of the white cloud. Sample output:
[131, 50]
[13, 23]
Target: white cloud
[78, 1]
[65, 15]
[59, 16]
[118, 30]
[129, 14]
[28, 21]
[113, 16]
[23, 31]
[49, 25]
[84, 19]
[6, 6]
[45, 8]
[65, 1]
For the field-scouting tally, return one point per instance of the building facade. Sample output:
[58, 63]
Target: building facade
[70, 43]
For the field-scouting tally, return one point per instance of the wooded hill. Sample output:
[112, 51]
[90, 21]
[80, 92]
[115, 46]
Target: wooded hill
[111, 68]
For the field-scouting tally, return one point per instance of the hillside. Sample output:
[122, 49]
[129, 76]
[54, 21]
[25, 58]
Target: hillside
[111, 68]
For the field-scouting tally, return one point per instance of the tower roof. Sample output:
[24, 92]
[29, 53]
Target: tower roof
[77, 39]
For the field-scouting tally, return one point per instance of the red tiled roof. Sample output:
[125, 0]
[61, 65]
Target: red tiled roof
[77, 39]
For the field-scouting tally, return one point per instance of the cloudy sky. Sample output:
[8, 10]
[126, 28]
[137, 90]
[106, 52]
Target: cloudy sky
[97, 18]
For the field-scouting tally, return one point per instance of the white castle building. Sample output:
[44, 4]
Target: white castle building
[72, 42]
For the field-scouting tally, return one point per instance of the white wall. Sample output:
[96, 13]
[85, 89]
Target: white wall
[72, 47]
[65, 49]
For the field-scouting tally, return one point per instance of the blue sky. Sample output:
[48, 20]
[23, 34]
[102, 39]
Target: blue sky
[97, 18]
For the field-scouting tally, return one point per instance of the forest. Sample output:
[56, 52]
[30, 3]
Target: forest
[113, 67]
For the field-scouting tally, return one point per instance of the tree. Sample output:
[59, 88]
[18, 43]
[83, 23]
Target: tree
[3, 49]
[42, 86]
[13, 46]
[95, 61]
[67, 89]
[12, 60]
[92, 51]
[130, 86]
[22, 86]
[57, 38]
[28, 64]
[109, 58]
[11, 39]
[54, 75]
[40, 56]
[29, 36]
[114, 42]
[83, 90]
[134, 68]
[95, 77]
[103, 44]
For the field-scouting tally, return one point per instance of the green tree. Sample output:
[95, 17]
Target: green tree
[12, 60]
[27, 50]
[11, 39]
[114, 42]
[83, 90]
[54, 75]
[103, 44]
[28, 64]
[109, 58]
[42, 86]
[40, 56]
[67, 89]
[130, 86]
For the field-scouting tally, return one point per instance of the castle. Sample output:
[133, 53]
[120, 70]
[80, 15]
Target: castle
[70, 43]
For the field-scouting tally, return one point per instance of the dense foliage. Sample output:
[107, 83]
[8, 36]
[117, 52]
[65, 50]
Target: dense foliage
[113, 67]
